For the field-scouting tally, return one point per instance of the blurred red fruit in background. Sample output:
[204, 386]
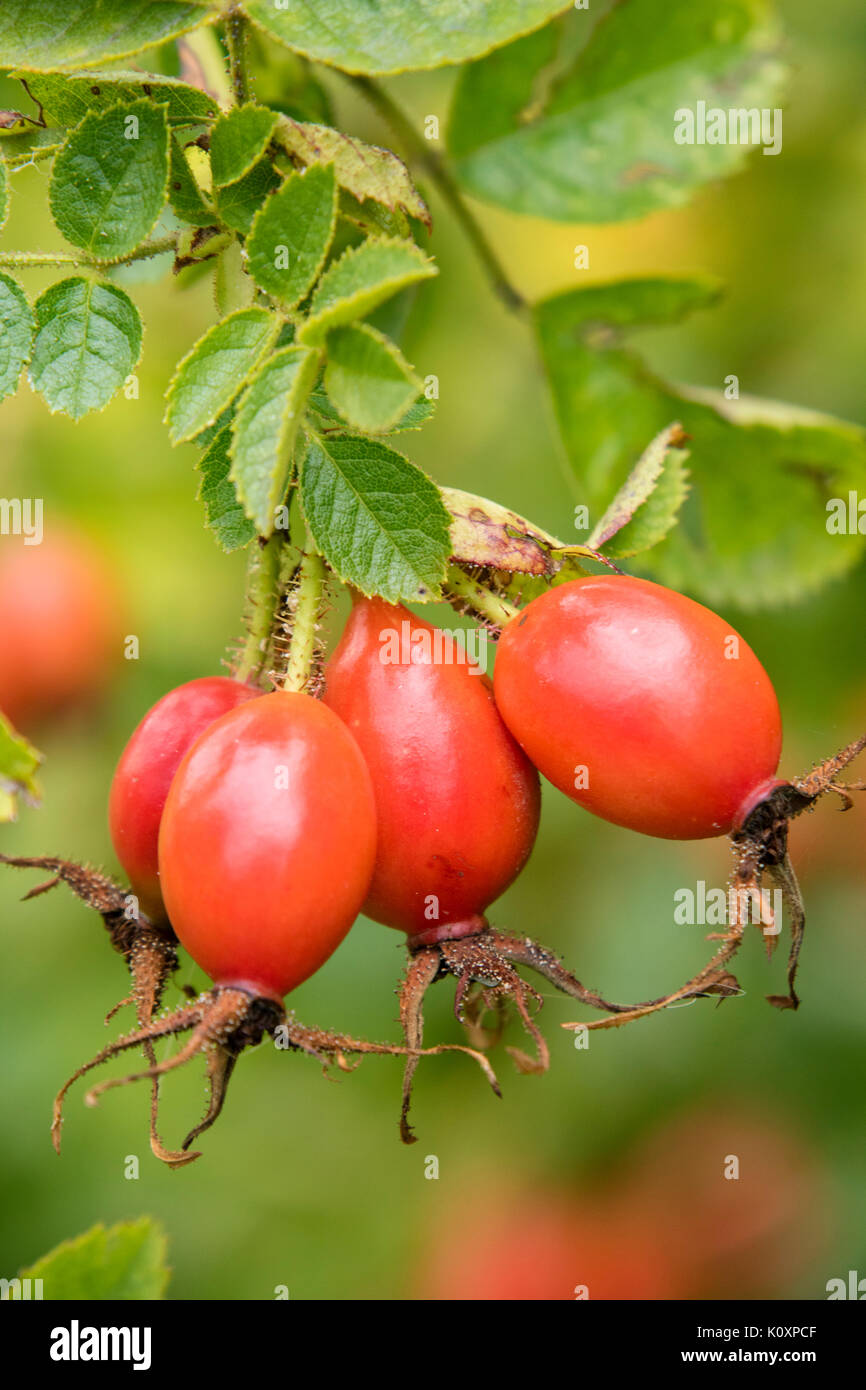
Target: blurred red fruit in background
[60, 626]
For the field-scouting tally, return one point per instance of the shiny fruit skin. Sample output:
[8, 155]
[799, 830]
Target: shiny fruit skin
[631, 681]
[60, 627]
[267, 843]
[457, 801]
[145, 771]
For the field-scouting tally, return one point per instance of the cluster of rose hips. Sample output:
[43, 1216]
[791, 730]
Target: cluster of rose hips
[255, 827]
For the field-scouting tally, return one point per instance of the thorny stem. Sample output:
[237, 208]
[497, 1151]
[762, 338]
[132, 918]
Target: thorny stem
[478, 598]
[262, 597]
[422, 153]
[236, 42]
[25, 260]
[308, 599]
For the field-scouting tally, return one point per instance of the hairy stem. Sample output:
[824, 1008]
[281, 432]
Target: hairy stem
[421, 152]
[236, 42]
[477, 598]
[24, 260]
[308, 600]
[262, 595]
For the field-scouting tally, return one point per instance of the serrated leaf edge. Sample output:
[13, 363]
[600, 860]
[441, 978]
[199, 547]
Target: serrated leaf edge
[287, 304]
[286, 441]
[426, 270]
[245, 309]
[396, 355]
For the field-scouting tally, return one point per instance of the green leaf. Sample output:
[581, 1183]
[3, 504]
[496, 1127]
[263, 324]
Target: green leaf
[19, 763]
[224, 514]
[16, 331]
[266, 425]
[365, 171]
[66, 99]
[186, 198]
[238, 203]
[328, 419]
[238, 141]
[368, 379]
[377, 519]
[109, 181]
[593, 139]
[754, 527]
[291, 234]
[52, 34]
[646, 506]
[88, 340]
[379, 36]
[127, 1261]
[216, 370]
[361, 279]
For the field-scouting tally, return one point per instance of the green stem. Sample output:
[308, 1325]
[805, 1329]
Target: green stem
[308, 601]
[478, 599]
[421, 152]
[262, 595]
[236, 42]
[26, 260]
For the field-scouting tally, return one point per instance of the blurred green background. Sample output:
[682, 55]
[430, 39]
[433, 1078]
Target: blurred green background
[303, 1181]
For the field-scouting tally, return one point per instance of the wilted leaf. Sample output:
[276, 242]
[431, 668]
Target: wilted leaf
[365, 171]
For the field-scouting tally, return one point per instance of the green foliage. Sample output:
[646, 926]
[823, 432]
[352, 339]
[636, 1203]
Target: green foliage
[326, 417]
[19, 763]
[4, 193]
[364, 277]
[267, 421]
[216, 370]
[646, 506]
[66, 98]
[186, 198]
[378, 36]
[592, 138]
[109, 180]
[16, 331]
[237, 203]
[224, 515]
[125, 1262]
[238, 141]
[377, 519]
[290, 235]
[368, 379]
[754, 528]
[88, 340]
[363, 171]
[56, 34]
